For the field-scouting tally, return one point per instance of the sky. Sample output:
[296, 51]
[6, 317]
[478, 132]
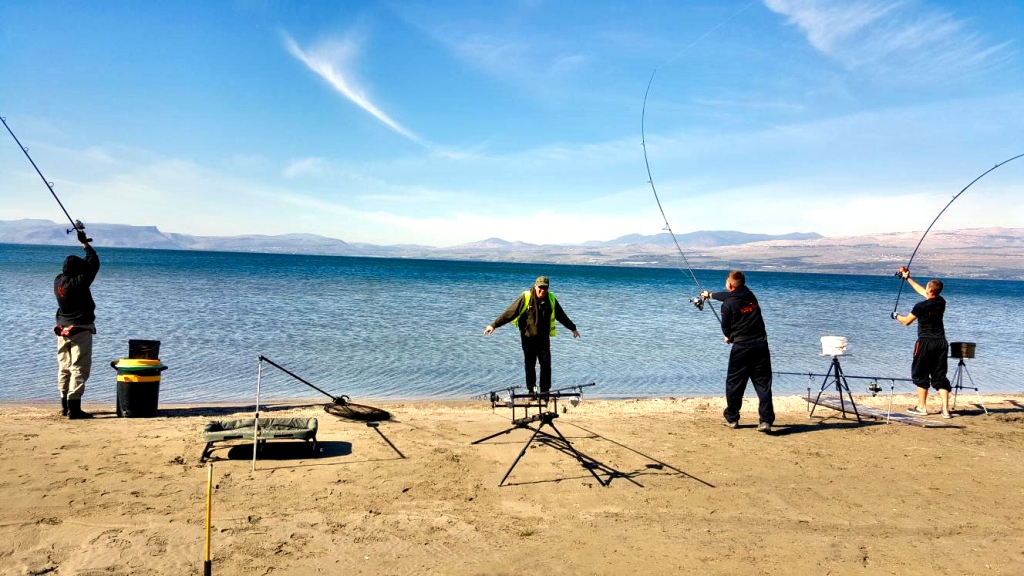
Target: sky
[441, 123]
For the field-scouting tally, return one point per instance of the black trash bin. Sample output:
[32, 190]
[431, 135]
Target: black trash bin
[138, 386]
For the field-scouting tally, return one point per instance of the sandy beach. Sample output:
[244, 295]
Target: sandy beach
[413, 495]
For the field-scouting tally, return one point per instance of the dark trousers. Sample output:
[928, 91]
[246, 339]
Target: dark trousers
[753, 362]
[930, 364]
[537, 349]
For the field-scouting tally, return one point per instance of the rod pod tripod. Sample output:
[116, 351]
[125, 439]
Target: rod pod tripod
[546, 416]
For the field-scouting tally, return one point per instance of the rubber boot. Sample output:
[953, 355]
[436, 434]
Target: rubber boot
[63, 406]
[75, 410]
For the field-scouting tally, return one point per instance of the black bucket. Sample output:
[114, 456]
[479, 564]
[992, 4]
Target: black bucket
[138, 387]
[144, 349]
[961, 349]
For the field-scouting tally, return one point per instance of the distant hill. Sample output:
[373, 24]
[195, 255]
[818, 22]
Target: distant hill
[126, 236]
[703, 239]
[977, 253]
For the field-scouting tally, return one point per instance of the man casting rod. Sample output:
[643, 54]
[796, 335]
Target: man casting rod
[903, 280]
[76, 225]
[698, 301]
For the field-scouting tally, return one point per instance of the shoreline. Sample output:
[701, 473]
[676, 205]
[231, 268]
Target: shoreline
[783, 403]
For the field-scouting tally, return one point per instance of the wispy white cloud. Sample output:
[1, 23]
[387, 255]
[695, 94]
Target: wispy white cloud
[303, 167]
[828, 25]
[530, 64]
[332, 61]
[899, 39]
[530, 59]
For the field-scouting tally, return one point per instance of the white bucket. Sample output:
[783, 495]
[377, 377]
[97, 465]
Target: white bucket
[833, 345]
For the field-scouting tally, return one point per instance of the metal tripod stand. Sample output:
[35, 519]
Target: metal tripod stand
[958, 384]
[545, 416]
[835, 372]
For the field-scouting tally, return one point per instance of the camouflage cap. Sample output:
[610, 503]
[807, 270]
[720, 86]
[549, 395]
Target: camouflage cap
[543, 281]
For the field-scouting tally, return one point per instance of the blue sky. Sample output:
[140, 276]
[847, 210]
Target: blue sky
[441, 123]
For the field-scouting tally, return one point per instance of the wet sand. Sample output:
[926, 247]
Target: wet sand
[413, 495]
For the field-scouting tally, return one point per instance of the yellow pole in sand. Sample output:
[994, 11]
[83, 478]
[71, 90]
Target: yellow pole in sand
[207, 567]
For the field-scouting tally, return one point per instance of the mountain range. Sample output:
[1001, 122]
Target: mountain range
[981, 253]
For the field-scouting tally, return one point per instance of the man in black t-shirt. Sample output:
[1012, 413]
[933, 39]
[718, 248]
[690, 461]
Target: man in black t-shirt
[929, 367]
[743, 327]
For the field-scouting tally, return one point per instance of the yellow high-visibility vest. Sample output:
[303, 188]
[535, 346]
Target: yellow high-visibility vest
[526, 304]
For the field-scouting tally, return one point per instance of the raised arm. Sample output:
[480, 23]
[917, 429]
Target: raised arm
[905, 274]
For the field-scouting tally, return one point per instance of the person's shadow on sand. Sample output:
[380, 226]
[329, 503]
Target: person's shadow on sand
[787, 429]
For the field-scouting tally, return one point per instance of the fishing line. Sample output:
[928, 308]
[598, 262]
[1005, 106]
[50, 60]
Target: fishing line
[75, 224]
[907, 267]
[650, 179]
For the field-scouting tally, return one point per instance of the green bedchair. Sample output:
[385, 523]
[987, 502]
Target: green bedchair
[270, 429]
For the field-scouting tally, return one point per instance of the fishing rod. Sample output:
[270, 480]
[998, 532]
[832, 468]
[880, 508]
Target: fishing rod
[493, 396]
[697, 301]
[906, 269]
[342, 400]
[75, 224]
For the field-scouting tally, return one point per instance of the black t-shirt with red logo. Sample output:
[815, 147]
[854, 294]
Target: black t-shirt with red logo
[929, 317]
[741, 316]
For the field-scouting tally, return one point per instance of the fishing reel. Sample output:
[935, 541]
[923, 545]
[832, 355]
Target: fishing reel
[903, 270]
[698, 302]
[874, 388]
[80, 229]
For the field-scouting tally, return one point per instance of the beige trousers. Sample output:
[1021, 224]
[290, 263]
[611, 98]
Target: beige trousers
[74, 355]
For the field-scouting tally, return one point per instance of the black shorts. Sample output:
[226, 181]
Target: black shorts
[929, 367]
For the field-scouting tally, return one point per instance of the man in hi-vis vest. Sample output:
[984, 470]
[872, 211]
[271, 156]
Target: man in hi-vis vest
[534, 313]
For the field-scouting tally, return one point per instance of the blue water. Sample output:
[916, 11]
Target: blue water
[389, 328]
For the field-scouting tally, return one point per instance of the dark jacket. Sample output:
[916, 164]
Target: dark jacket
[741, 316]
[536, 320]
[75, 306]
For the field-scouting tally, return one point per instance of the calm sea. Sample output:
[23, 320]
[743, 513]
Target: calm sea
[387, 328]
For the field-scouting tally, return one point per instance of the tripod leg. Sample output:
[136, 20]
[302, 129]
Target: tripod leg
[892, 390]
[521, 452]
[839, 385]
[495, 435]
[958, 383]
[842, 384]
[976, 391]
[853, 404]
[839, 390]
[824, 383]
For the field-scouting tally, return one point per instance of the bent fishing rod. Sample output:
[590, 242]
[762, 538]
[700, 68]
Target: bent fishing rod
[75, 224]
[903, 280]
[697, 301]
